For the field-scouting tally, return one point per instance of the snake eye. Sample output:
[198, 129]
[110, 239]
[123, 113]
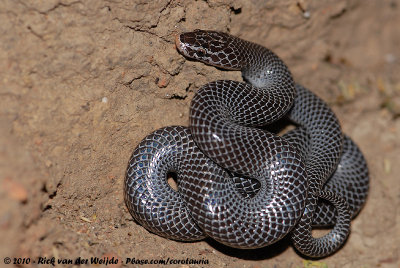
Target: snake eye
[201, 52]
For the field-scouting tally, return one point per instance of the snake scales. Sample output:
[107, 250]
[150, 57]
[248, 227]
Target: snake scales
[242, 185]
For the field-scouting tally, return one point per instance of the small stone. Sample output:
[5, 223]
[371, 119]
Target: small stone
[15, 190]
[390, 58]
[162, 82]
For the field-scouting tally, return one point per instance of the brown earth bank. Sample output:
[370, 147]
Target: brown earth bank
[82, 82]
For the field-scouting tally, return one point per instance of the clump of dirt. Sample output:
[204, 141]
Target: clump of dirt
[82, 82]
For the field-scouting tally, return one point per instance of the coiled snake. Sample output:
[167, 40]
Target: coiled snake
[242, 185]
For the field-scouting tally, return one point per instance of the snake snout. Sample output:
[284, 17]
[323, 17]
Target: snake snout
[186, 44]
[210, 47]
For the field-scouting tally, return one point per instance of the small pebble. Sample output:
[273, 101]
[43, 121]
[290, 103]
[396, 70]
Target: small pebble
[306, 14]
[15, 190]
[390, 58]
[48, 163]
[84, 219]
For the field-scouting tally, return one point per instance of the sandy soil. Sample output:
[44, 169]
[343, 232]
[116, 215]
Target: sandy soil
[82, 82]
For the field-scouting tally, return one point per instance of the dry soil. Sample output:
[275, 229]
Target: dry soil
[82, 82]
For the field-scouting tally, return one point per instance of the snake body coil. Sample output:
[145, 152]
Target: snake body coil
[243, 186]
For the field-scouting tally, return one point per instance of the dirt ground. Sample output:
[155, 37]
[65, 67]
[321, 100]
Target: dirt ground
[82, 82]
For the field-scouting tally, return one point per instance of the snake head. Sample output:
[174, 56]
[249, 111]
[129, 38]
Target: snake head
[210, 47]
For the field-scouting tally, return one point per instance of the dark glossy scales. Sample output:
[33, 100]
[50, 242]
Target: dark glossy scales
[243, 186]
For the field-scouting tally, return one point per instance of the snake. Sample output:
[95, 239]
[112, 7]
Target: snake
[237, 181]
